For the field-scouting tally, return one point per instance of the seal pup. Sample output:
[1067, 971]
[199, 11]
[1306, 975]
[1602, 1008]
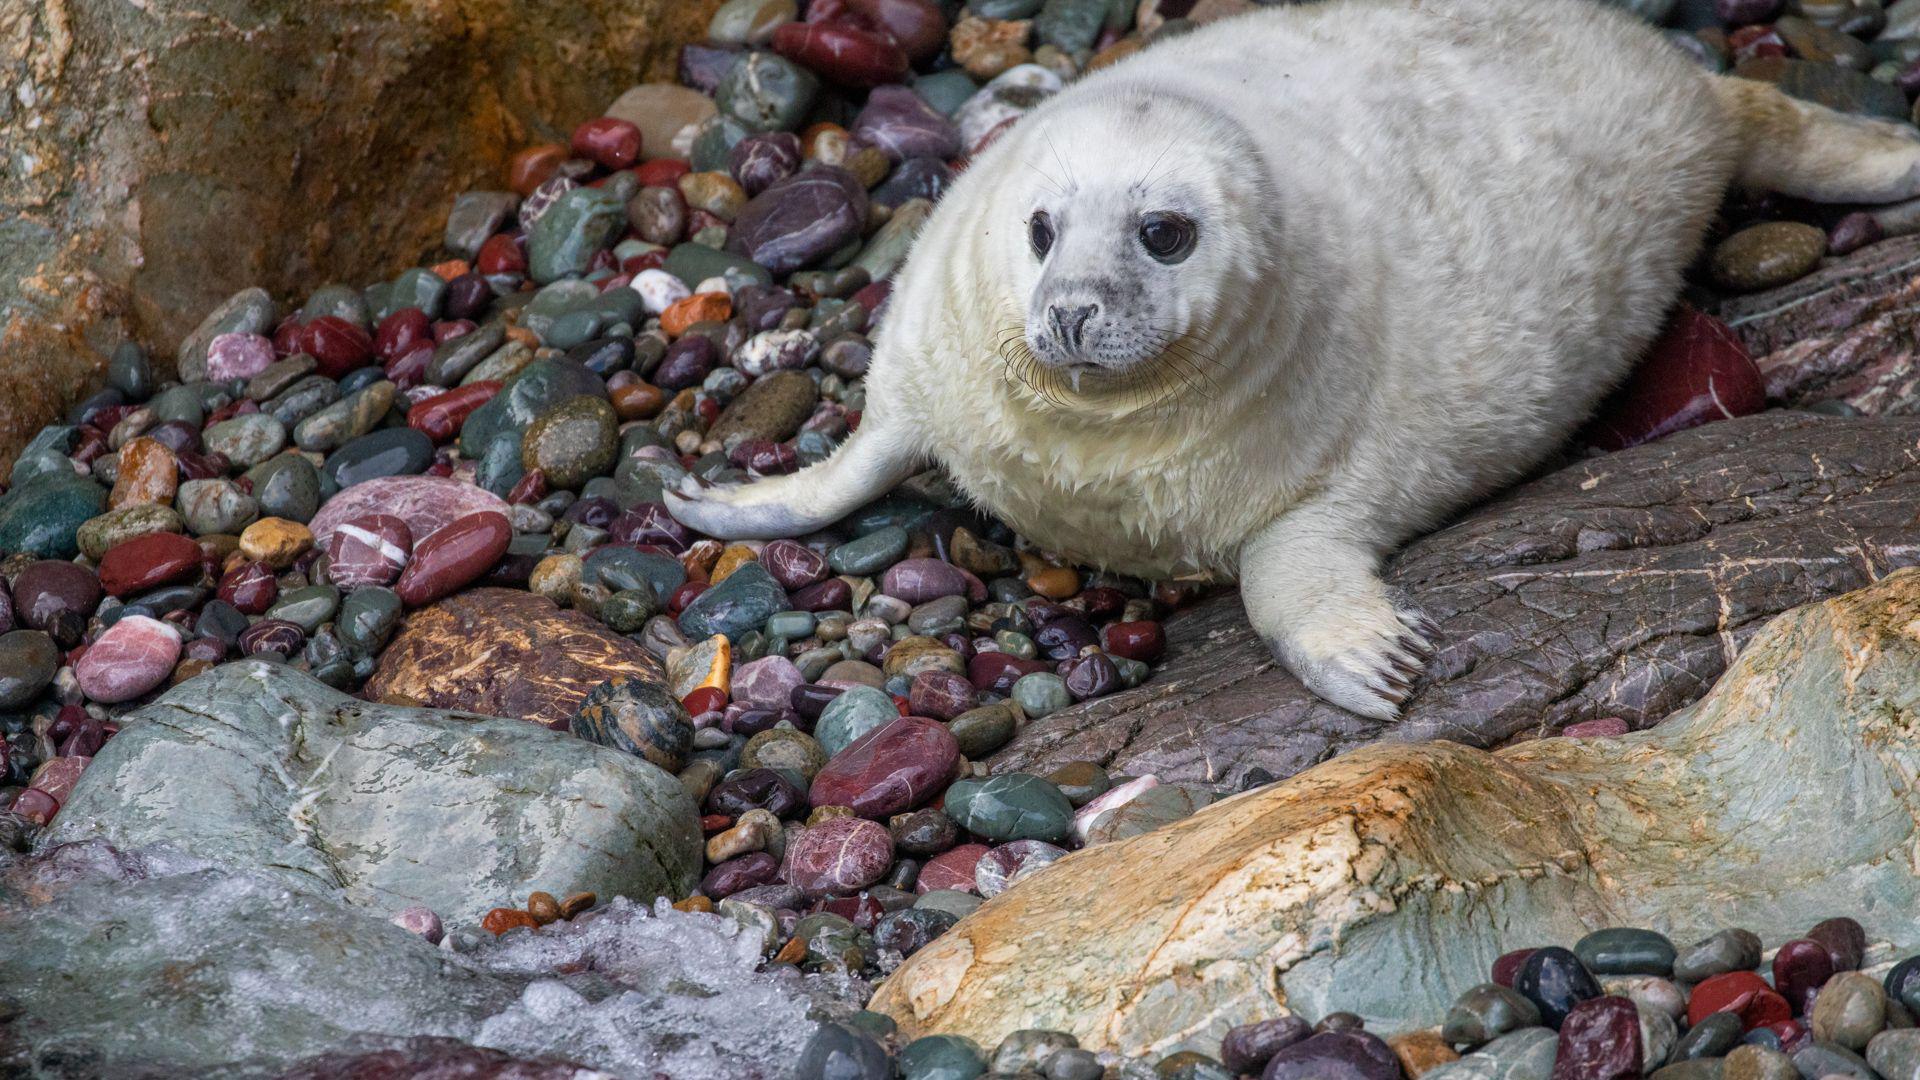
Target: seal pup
[1268, 299]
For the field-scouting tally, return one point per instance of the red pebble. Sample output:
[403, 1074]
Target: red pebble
[148, 562]
[1740, 992]
[501, 254]
[336, 345]
[286, 336]
[250, 587]
[662, 172]
[369, 550]
[704, 699]
[713, 823]
[917, 26]
[530, 488]
[57, 776]
[36, 806]
[1750, 42]
[608, 140]
[439, 417]
[685, 595]
[841, 53]
[1695, 373]
[1143, 640]
[407, 371]
[1509, 965]
[1800, 968]
[399, 332]
[1599, 1040]
[453, 556]
[951, 869]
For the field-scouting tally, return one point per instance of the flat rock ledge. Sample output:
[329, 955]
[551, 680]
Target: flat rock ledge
[257, 766]
[1619, 586]
[1385, 882]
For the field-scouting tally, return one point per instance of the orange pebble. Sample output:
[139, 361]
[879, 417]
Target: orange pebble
[148, 474]
[700, 557]
[502, 919]
[534, 166]
[637, 401]
[544, 908]
[694, 903]
[1055, 582]
[700, 307]
[794, 951]
[733, 558]
[524, 336]
[451, 269]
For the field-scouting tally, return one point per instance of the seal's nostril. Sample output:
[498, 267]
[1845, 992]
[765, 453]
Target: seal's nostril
[1068, 322]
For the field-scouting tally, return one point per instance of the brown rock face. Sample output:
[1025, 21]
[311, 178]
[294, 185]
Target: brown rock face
[162, 157]
[1386, 881]
[1621, 585]
[503, 652]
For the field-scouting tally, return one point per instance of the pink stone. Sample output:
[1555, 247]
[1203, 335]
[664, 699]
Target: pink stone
[767, 682]
[839, 855]
[1606, 727]
[57, 776]
[793, 564]
[1599, 1040]
[420, 919]
[951, 869]
[454, 556]
[370, 550]
[940, 694]
[1695, 373]
[425, 503]
[238, 356]
[36, 806]
[135, 655]
[892, 768]
[919, 580]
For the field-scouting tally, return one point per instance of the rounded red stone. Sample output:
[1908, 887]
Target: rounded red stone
[336, 345]
[609, 141]
[57, 776]
[841, 53]
[705, 699]
[793, 564]
[1599, 1040]
[439, 417]
[892, 768]
[250, 587]
[1508, 966]
[148, 562]
[400, 332]
[370, 550]
[48, 588]
[501, 254]
[453, 556]
[998, 671]
[36, 806]
[1695, 373]
[917, 26]
[662, 172]
[1740, 992]
[1143, 640]
[951, 869]
[839, 855]
[1800, 968]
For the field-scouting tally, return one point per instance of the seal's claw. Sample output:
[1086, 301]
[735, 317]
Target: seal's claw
[1365, 659]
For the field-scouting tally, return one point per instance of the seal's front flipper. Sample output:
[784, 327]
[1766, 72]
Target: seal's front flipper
[864, 468]
[1315, 597]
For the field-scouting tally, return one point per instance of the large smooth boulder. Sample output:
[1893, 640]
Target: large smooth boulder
[147, 965]
[162, 157]
[1618, 586]
[256, 765]
[1386, 881]
[506, 652]
[1845, 332]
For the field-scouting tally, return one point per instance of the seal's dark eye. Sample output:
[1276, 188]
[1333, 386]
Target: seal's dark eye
[1167, 237]
[1040, 232]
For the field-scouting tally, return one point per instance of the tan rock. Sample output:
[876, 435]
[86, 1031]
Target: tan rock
[503, 652]
[1421, 1052]
[662, 111]
[275, 541]
[1385, 882]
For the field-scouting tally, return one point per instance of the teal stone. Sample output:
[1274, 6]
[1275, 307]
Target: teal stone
[695, 263]
[376, 296]
[946, 90]
[577, 326]
[1005, 9]
[870, 554]
[28, 662]
[43, 518]
[580, 224]
[367, 619]
[791, 625]
[29, 467]
[1625, 950]
[301, 400]
[180, 403]
[887, 249]
[418, 288]
[499, 469]
[308, 607]
[983, 730]
[735, 607]
[952, 901]
[452, 360]
[1071, 25]
[58, 438]
[397, 451]
[765, 91]
[538, 387]
[622, 568]
[1041, 693]
[942, 1057]
[1015, 643]
[1526, 1054]
[1895, 1053]
[339, 301]
[904, 511]
[1010, 806]
[1485, 1013]
[851, 715]
[130, 372]
[287, 486]
[714, 141]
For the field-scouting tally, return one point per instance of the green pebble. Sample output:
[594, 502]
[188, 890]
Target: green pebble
[43, 518]
[1041, 693]
[1624, 950]
[791, 625]
[871, 553]
[576, 227]
[851, 715]
[308, 608]
[419, 288]
[98, 534]
[368, 617]
[983, 730]
[942, 1057]
[1010, 806]
[287, 486]
[736, 607]
[764, 91]
[626, 611]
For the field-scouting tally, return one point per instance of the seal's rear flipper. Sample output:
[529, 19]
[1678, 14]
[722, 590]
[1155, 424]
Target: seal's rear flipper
[1812, 152]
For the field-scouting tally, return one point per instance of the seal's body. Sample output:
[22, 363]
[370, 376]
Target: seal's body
[1269, 298]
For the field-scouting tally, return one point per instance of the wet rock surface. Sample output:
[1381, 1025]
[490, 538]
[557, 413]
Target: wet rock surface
[1618, 586]
[383, 806]
[1293, 897]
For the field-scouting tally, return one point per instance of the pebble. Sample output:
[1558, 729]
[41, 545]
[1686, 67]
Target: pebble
[453, 556]
[148, 562]
[1625, 951]
[1767, 255]
[1010, 806]
[133, 656]
[29, 660]
[637, 718]
[840, 855]
[1555, 980]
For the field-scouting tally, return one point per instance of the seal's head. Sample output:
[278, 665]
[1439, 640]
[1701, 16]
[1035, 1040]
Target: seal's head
[1143, 225]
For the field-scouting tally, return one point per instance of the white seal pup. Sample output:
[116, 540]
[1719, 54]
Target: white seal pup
[1268, 299]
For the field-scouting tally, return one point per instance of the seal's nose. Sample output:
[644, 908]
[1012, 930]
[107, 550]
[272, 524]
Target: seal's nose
[1069, 321]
